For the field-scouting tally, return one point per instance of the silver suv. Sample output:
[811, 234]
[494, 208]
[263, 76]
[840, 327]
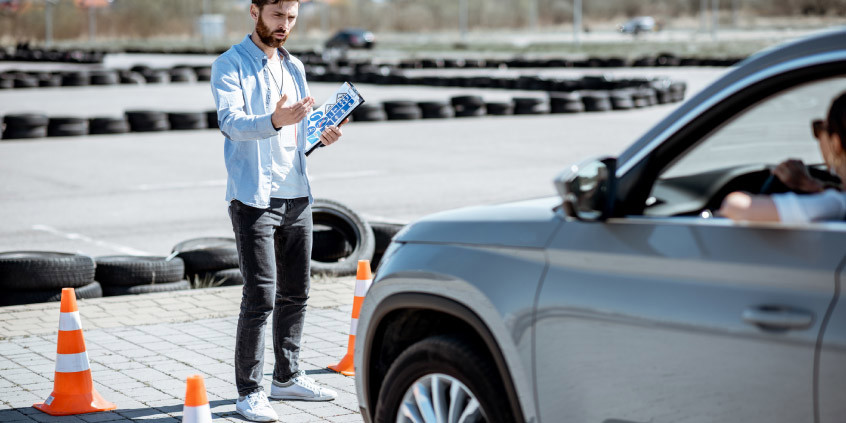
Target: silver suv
[623, 299]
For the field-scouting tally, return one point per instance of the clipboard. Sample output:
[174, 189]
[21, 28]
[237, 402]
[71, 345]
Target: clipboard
[332, 112]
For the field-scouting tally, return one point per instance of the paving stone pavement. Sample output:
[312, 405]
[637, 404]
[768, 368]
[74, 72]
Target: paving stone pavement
[142, 348]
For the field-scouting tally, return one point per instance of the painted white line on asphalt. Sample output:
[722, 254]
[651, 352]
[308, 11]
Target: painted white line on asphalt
[78, 237]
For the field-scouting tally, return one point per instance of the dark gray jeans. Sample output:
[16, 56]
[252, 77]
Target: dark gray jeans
[274, 250]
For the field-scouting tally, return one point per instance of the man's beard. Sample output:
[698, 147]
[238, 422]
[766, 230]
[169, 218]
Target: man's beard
[265, 34]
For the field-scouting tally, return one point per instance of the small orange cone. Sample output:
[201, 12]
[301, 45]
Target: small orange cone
[196, 409]
[363, 279]
[73, 388]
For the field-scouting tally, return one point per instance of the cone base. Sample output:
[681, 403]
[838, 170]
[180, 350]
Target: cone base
[67, 405]
[345, 367]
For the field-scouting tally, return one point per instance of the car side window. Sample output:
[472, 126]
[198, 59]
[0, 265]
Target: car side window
[739, 154]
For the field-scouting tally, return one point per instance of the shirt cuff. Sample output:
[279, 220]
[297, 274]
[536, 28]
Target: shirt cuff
[265, 126]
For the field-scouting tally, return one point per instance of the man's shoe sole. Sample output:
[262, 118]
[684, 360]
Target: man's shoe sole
[296, 398]
[253, 420]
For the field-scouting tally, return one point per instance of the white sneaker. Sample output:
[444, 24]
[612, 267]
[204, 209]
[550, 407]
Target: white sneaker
[255, 407]
[303, 388]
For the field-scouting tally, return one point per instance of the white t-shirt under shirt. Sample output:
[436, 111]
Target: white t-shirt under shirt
[803, 208]
[287, 169]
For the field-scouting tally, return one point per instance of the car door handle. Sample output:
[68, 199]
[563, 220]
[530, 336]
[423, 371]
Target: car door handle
[779, 318]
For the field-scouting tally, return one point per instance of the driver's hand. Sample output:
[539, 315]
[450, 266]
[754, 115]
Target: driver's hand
[794, 174]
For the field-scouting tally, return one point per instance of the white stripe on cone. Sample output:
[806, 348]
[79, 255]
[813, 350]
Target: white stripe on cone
[198, 414]
[70, 363]
[361, 286]
[353, 326]
[69, 321]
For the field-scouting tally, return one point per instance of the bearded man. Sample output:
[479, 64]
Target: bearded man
[262, 101]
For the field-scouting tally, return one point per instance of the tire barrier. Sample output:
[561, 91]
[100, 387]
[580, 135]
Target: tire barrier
[606, 96]
[123, 275]
[207, 255]
[24, 53]
[39, 276]
[331, 215]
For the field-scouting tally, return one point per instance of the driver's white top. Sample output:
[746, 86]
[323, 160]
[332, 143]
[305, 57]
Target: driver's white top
[804, 208]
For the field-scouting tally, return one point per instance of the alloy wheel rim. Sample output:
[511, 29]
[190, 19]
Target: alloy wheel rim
[439, 398]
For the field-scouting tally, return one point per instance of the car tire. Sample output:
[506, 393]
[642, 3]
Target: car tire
[356, 231]
[135, 270]
[457, 365]
[499, 108]
[111, 291]
[147, 121]
[435, 110]
[36, 270]
[207, 255]
[91, 290]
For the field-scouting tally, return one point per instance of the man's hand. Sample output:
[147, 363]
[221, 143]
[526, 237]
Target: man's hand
[289, 115]
[332, 133]
[794, 174]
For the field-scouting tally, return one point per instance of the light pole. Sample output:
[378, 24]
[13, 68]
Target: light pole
[533, 15]
[48, 21]
[577, 21]
[462, 19]
[715, 18]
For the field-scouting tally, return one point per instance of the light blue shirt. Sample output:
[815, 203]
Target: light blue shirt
[241, 85]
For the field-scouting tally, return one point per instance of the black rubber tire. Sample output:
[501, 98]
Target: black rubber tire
[530, 106]
[329, 244]
[207, 255]
[203, 73]
[622, 100]
[435, 110]
[130, 77]
[356, 231]
[75, 79]
[91, 290]
[147, 121]
[105, 78]
[225, 277]
[211, 119]
[67, 127]
[50, 80]
[404, 113]
[25, 120]
[37, 270]
[108, 125]
[566, 102]
[467, 100]
[596, 101]
[499, 108]
[27, 133]
[155, 76]
[182, 75]
[25, 81]
[111, 291]
[135, 270]
[369, 112]
[187, 120]
[445, 355]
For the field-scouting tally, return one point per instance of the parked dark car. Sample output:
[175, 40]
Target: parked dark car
[623, 299]
[352, 38]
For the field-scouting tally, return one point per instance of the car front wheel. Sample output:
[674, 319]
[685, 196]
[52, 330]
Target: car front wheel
[440, 379]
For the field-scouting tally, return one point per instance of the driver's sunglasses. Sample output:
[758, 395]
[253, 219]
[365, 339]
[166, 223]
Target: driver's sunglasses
[819, 127]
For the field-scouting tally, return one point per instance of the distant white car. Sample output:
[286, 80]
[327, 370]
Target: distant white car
[639, 24]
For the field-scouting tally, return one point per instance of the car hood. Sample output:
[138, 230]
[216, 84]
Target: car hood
[527, 224]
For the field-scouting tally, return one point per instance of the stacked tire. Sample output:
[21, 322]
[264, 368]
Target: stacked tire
[25, 126]
[38, 276]
[210, 261]
[341, 238]
[468, 106]
[132, 275]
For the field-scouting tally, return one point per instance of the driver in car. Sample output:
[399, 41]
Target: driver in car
[824, 204]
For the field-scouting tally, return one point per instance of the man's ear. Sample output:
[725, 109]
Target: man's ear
[254, 12]
[836, 145]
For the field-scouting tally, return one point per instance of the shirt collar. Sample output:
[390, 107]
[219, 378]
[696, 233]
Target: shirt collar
[256, 52]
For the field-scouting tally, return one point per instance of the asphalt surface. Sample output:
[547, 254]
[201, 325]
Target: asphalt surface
[143, 193]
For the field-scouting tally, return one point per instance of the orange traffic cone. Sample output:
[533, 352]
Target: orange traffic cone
[196, 409]
[73, 388]
[363, 279]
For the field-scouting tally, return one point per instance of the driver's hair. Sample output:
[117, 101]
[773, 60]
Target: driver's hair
[836, 120]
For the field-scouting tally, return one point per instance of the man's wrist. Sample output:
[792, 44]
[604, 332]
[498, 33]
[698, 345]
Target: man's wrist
[274, 124]
[812, 185]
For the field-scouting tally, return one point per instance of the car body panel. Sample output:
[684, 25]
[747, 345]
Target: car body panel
[463, 273]
[831, 372]
[524, 224]
[631, 300]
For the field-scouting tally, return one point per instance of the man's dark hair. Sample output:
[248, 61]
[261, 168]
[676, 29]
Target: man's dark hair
[836, 120]
[262, 3]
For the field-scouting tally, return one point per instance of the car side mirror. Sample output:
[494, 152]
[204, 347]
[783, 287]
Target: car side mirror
[587, 189]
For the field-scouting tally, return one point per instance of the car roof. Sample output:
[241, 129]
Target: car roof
[826, 43]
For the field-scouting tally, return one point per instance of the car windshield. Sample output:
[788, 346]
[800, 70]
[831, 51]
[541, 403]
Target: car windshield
[769, 132]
